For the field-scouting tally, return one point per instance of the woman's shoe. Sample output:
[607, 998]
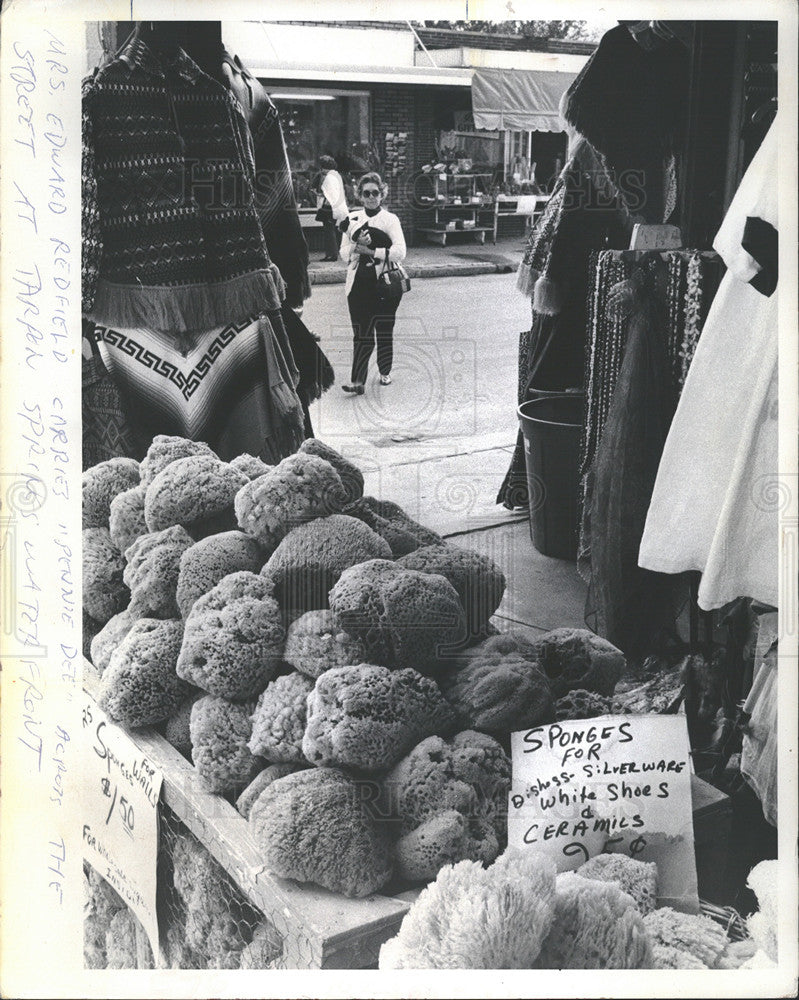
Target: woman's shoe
[385, 380]
[356, 389]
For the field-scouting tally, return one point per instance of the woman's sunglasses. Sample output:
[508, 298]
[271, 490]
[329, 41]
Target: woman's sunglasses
[370, 193]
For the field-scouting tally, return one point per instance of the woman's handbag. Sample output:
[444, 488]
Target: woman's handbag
[324, 212]
[392, 281]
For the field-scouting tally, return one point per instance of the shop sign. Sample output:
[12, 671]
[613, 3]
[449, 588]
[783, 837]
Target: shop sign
[120, 814]
[613, 784]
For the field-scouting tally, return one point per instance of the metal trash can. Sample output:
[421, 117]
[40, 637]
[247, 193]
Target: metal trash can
[551, 426]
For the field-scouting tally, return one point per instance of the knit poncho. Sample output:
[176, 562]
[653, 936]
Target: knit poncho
[171, 237]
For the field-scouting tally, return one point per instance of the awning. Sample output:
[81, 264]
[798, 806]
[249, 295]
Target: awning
[518, 99]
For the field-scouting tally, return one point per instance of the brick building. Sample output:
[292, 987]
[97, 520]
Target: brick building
[377, 95]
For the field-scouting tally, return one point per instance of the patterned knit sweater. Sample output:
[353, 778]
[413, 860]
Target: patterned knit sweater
[171, 237]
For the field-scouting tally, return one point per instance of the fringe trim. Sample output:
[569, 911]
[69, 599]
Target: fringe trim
[288, 425]
[526, 277]
[547, 297]
[281, 443]
[187, 309]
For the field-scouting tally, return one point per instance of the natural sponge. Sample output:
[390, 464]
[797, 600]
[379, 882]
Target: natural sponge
[638, 879]
[298, 489]
[404, 618]
[177, 730]
[109, 637]
[314, 826]
[126, 517]
[576, 658]
[581, 704]
[316, 642]
[265, 948]
[262, 780]
[234, 637]
[695, 934]
[217, 918]
[367, 717]
[166, 449]
[764, 881]
[391, 522]
[250, 465]
[121, 946]
[480, 583]
[104, 585]
[477, 918]
[220, 731]
[152, 572]
[468, 775]
[350, 475]
[312, 557]
[204, 564]
[499, 694]
[101, 483]
[278, 722]
[595, 926]
[139, 686]
[196, 492]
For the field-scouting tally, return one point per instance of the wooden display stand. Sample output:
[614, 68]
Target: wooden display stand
[456, 198]
[325, 930]
[505, 207]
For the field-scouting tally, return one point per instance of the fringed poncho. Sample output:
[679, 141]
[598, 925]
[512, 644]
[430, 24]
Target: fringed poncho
[171, 237]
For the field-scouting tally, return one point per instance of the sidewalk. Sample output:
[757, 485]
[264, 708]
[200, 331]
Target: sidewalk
[434, 261]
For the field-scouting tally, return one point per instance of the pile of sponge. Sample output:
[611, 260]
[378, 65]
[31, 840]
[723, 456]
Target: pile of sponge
[325, 662]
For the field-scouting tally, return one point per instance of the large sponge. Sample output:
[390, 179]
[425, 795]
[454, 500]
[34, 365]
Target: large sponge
[315, 826]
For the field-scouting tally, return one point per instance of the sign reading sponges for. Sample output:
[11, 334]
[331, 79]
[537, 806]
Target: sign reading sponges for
[613, 784]
[120, 814]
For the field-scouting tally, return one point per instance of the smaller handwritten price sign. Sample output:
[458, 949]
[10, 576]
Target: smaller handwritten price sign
[120, 814]
[614, 784]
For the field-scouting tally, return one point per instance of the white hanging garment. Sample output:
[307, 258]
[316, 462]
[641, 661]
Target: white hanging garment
[715, 503]
[760, 750]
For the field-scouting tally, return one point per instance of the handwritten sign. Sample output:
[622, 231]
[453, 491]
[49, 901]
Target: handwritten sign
[42, 59]
[616, 784]
[120, 825]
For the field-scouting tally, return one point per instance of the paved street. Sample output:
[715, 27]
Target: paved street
[436, 440]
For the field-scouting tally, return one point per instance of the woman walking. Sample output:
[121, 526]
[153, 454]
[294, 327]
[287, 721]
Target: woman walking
[332, 209]
[373, 236]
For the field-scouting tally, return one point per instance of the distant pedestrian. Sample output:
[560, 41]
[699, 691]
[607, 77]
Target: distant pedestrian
[332, 206]
[373, 235]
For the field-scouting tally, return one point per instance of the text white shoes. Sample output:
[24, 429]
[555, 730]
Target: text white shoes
[385, 380]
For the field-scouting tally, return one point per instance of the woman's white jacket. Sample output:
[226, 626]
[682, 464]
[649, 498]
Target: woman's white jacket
[385, 220]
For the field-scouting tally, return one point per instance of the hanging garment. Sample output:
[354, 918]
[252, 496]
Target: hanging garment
[692, 278]
[630, 105]
[315, 371]
[105, 425]
[760, 750]
[582, 215]
[172, 241]
[713, 504]
[234, 388]
[274, 193]
[627, 605]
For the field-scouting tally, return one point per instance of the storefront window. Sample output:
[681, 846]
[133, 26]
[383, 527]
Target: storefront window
[324, 123]
[481, 150]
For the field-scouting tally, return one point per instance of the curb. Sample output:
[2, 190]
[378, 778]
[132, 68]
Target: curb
[336, 276]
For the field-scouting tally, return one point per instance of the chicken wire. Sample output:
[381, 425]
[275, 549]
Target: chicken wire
[206, 921]
[113, 937]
